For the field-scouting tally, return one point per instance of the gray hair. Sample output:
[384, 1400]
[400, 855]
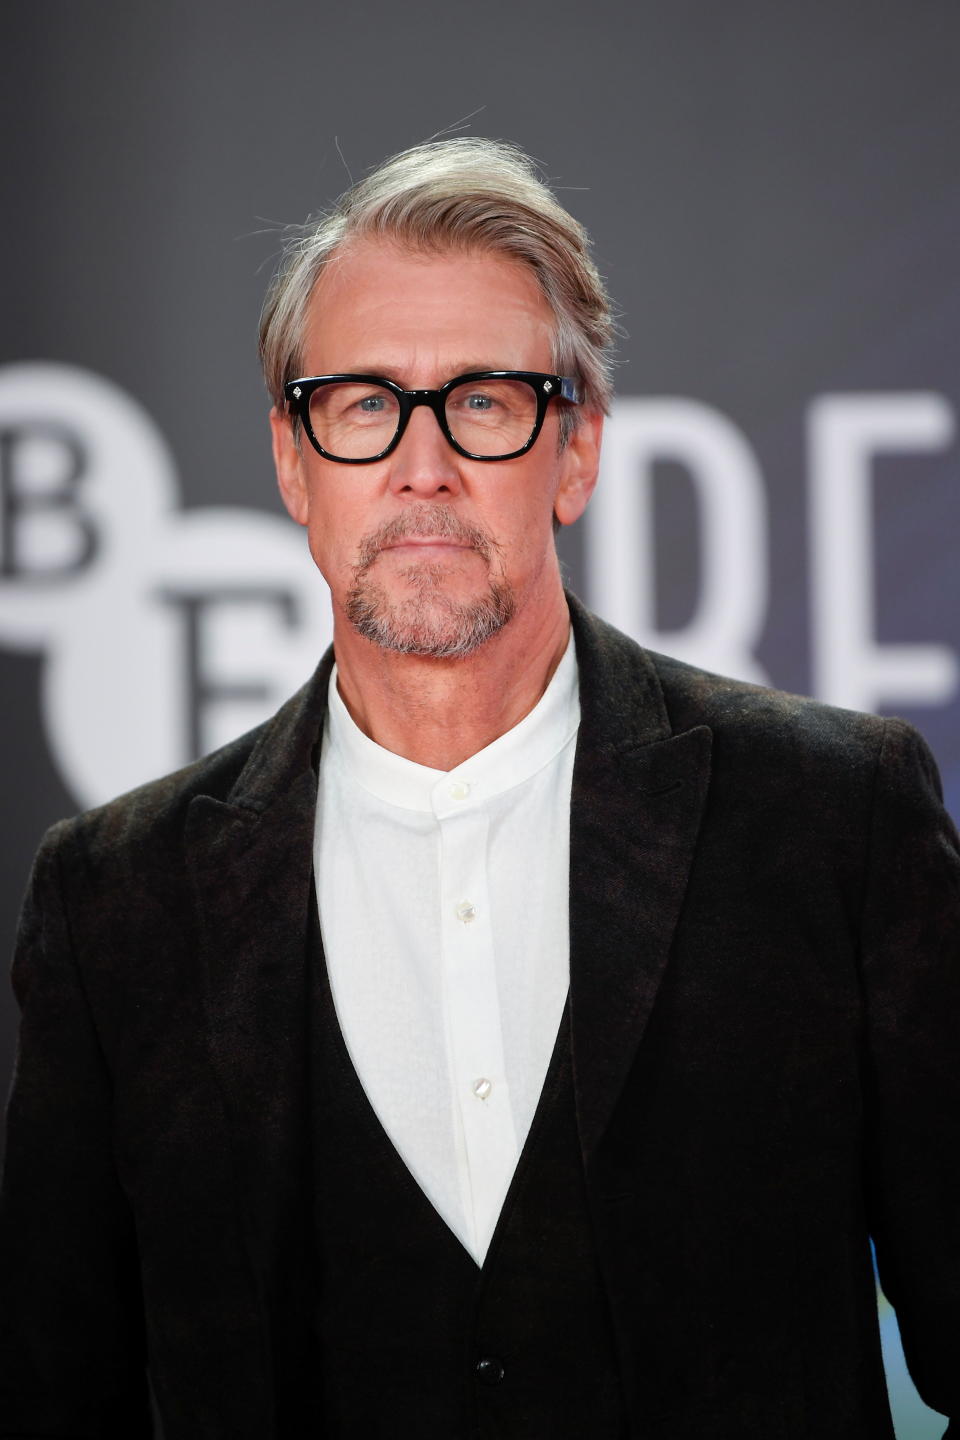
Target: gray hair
[464, 193]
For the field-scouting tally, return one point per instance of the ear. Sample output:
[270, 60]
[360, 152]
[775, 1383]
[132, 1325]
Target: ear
[288, 463]
[579, 465]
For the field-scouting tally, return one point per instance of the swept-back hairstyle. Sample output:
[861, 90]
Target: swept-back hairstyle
[461, 194]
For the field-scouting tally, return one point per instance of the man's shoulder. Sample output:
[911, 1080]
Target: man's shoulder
[689, 695]
[133, 831]
[760, 732]
[781, 748]
[732, 707]
[140, 826]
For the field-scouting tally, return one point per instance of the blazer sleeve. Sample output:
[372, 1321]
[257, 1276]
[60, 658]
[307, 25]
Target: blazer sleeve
[72, 1353]
[911, 977]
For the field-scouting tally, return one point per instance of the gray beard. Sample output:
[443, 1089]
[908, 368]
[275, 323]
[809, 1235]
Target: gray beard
[428, 623]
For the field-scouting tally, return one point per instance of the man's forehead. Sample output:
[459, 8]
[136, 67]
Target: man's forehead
[366, 260]
[380, 295]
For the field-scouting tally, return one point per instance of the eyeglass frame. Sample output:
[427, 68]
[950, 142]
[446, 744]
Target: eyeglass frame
[297, 394]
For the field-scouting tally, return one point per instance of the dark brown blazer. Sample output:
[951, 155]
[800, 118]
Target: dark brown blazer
[765, 1009]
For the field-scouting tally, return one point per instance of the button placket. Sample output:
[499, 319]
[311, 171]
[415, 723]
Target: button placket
[472, 1006]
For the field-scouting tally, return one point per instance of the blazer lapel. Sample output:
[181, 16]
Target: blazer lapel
[250, 858]
[638, 793]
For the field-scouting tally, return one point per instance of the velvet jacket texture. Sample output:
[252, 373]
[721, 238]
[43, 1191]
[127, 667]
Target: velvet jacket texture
[765, 1020]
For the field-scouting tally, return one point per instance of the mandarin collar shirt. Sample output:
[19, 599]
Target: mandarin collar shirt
[444, 911]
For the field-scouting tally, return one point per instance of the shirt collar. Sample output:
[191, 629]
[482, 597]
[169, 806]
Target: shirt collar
[510, 760]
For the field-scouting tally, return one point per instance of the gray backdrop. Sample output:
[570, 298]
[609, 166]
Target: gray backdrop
[772, 191]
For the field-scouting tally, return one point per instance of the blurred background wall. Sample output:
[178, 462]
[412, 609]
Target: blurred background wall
[773, 194]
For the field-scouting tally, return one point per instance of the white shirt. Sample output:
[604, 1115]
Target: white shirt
[444, 911]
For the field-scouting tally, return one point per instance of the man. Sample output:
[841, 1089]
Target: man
[520, 1034]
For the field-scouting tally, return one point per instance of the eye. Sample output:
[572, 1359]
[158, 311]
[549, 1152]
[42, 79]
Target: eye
[475, 402]
[372, 404]
[478, 402]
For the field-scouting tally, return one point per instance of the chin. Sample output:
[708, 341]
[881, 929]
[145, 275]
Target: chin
[430, 622]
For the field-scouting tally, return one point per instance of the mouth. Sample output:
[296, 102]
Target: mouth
[429, 542]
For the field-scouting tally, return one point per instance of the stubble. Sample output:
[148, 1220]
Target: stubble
[428, 622]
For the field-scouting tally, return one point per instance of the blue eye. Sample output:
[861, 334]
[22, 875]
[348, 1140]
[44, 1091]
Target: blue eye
[373, 404]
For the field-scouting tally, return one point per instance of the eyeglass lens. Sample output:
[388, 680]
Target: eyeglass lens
[355, 421]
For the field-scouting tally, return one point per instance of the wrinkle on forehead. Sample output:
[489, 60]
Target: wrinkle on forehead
[387, 306]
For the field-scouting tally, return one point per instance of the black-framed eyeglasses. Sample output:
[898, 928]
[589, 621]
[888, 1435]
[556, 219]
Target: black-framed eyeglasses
[486, 415]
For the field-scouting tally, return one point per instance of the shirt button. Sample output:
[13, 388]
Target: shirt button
[490, 1370]
[466, 912]
[458, 790]
[482, 1088]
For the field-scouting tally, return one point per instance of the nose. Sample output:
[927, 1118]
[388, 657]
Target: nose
[424, 464]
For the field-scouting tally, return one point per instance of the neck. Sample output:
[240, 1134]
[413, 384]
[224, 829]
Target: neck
[440, 712]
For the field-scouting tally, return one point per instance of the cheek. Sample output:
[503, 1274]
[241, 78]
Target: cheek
[531, 516]
[337, 522]
[525, 534]
[324, 531]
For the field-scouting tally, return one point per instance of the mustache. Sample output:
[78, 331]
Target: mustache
[438, 521]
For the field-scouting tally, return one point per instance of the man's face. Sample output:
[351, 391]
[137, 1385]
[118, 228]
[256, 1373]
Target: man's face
[425, 551]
